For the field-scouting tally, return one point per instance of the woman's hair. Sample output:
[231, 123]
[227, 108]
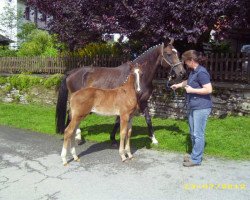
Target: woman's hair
[194, 55]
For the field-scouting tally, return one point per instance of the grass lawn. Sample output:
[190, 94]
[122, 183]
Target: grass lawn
[227, 138]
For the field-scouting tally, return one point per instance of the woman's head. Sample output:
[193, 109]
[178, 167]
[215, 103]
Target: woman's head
[192, 58]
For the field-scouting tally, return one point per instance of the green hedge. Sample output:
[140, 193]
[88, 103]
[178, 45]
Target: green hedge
[25, 81]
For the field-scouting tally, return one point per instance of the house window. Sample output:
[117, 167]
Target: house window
[35, 16]
[27, 13]
[43, 18]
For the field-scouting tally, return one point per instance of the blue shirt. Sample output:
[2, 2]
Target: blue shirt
[197, 78]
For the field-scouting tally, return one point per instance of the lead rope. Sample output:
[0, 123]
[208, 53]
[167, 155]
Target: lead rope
[169, 89]
[167, 86]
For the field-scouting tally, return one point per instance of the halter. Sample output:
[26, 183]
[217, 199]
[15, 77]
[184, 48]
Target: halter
[171, 65]
[170, 76]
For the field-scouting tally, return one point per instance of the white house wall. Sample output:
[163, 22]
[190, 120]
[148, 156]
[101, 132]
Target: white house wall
[5, 31]
[19, 6]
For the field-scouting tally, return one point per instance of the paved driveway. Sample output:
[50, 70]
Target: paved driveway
[31, 168]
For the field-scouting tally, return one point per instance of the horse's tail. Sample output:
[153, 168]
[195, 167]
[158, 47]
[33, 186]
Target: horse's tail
[61, 106]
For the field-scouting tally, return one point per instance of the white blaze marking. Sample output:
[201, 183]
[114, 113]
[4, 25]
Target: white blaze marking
[137, 80]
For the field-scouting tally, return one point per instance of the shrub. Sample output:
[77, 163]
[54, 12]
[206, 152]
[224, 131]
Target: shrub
[53, 80]
[24, 81]
[93, 49]
[3, 80]
[38, 43]
[26, 29]
[30, 49]
[6, 52]
[50, 52]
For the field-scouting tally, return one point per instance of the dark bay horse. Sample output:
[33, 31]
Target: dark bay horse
[121, 101]
[108, 78]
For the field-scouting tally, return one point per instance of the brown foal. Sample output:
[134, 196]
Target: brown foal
[121, 101]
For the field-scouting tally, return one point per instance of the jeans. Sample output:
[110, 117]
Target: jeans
[197, 120]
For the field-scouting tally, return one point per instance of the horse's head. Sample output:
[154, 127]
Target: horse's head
[170, 58]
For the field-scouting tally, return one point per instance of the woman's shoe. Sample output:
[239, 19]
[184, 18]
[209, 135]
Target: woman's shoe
[186, 158]
[190, 164]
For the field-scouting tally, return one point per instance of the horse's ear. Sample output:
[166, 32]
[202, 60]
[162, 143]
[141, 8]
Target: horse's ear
[171, 41]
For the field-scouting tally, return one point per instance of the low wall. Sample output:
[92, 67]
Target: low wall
[36, 94]
[227, 99]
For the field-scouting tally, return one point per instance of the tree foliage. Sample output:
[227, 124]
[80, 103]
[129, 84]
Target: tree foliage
[9, 18]
[93, 49]
[147, 21]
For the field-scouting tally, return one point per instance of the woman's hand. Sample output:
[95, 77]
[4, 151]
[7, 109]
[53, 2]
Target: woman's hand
[174, 87]
[179, 85]
[189, 89]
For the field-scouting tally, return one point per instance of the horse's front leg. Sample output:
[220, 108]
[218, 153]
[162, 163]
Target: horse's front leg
[123, 133]
[149, 123]
[112, 134]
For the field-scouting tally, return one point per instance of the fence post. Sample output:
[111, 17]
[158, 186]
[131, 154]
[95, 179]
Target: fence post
[248, 68]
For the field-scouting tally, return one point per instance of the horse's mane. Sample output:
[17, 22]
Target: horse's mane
[148, 53]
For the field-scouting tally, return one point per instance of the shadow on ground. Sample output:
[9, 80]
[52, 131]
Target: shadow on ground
[137, 142]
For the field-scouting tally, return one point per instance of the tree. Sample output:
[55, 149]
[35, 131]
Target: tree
[146, 21]
[9, 20]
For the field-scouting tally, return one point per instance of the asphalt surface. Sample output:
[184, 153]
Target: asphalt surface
[31, 168]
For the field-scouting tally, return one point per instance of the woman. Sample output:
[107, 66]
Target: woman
[198, 88]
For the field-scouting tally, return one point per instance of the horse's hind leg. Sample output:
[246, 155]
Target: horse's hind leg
[112, 134]
[127, 142]
[68, 134]
[78, 136]
[150, 127]
[73, 145]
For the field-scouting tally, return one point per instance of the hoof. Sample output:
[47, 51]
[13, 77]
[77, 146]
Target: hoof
[124, 158]
[65, 164]
[114, 144]
[80, 142]
[77, 159]
[131, 158]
